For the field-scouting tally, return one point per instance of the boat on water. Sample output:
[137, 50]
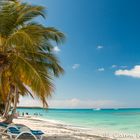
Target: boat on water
[97, 109]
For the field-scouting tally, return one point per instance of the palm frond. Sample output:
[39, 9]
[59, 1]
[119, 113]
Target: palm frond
[54, 34]
[39, 81]
[27, 60]
[28, 12]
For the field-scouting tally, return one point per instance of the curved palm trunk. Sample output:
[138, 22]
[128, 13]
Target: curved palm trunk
[10, 118]
[6, 115]
[8, 104]
[16, 96]
[2, 107]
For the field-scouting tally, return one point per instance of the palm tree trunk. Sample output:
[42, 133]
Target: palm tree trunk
[7, 106]
[7, 110]
[16, 96]
[8, 102]
[10, 118]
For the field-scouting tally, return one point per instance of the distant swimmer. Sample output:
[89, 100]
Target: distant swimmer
[23, 114]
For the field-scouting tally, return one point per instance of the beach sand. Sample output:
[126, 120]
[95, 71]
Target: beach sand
[56, 131]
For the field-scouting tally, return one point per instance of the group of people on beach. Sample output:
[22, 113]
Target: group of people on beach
[26, 114]
[37, 114]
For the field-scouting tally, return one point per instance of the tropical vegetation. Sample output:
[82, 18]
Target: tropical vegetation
[28, 63]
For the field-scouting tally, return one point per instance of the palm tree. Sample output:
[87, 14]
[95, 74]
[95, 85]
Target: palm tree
[27, 59]
[1, 106]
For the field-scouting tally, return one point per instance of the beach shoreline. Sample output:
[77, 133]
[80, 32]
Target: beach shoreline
[55, 130]
[58, 131]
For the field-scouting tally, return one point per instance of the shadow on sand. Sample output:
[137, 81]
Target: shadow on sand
[68, 137]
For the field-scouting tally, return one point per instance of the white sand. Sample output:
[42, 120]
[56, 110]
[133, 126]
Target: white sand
[57, 131]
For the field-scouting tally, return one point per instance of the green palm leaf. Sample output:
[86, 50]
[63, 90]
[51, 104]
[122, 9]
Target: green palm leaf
[27, 60]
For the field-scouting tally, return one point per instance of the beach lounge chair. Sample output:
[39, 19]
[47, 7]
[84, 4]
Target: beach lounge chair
[16, 133]
[3, 124]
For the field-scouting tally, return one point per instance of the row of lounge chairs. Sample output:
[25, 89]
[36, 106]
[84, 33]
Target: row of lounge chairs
[20, 132]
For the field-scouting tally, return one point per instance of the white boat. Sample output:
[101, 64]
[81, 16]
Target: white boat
[97, 109]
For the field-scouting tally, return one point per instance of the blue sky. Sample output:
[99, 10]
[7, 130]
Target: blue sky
[101, 55]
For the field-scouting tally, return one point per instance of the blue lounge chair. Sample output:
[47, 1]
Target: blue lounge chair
[14, 131]
[3, 124]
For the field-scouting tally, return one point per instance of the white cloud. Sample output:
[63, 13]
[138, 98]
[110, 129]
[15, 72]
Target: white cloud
[100, 47]
[72, 103]
[56, 49]
[113, 66]
[123, 67]
[75, 66]
[134, 72]
[101, 69]
[77, 103]
[28, 101]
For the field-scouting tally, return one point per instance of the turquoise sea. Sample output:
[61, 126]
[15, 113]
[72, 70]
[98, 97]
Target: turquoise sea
[122, 120]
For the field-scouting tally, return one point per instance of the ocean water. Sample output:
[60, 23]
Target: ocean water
[122, 120]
